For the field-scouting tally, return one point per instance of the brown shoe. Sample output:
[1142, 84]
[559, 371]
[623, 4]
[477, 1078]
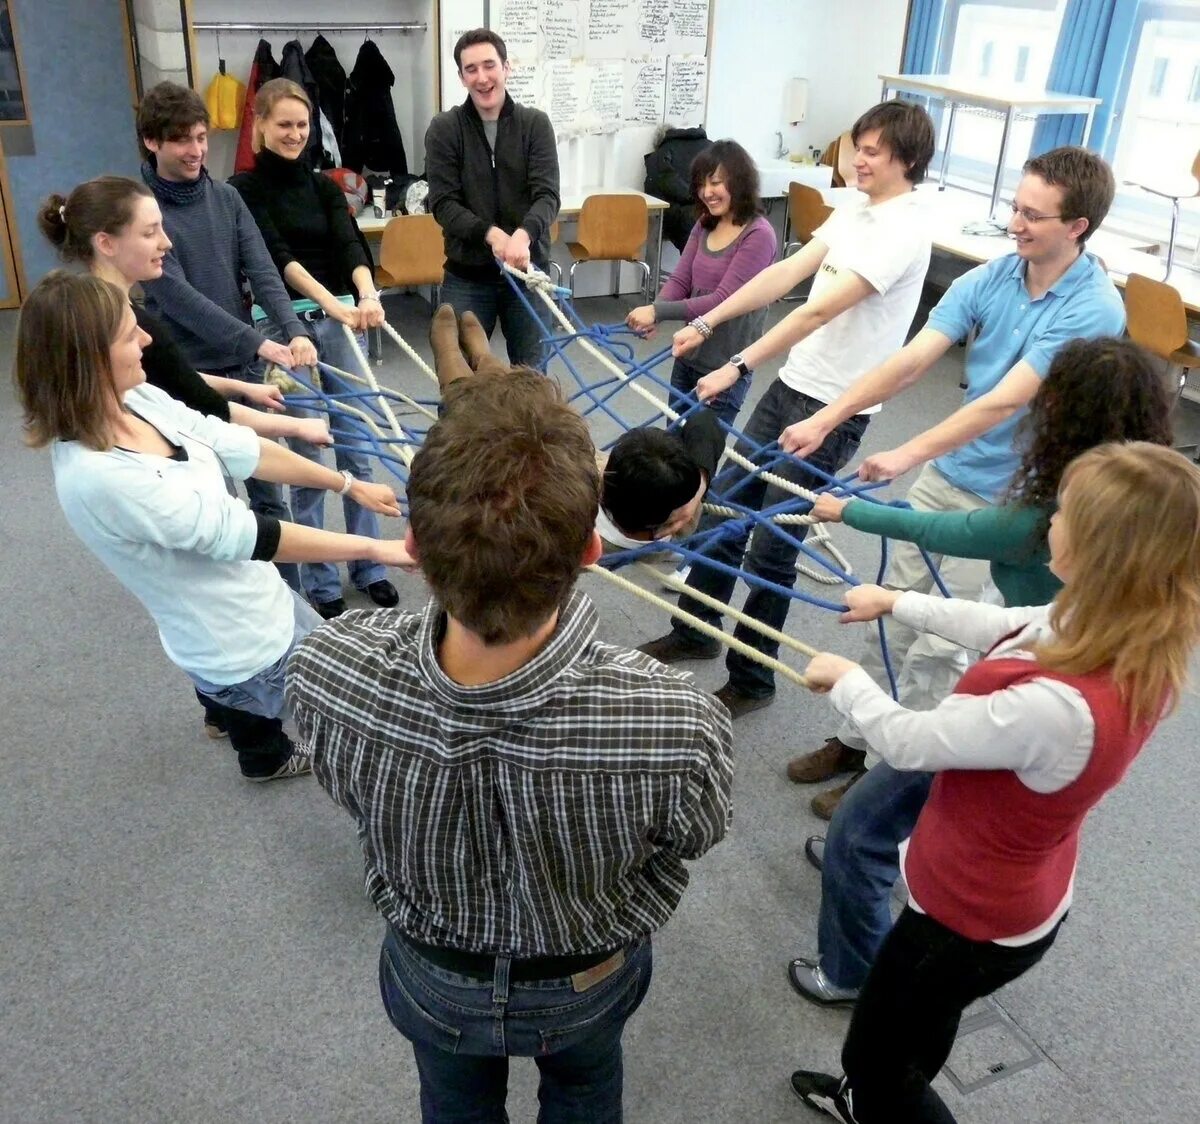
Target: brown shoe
[824, 804]
[825, 763]
[473, 339]
[448, 361]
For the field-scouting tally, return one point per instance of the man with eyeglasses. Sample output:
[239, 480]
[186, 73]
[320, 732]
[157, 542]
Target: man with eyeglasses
[1022, 308]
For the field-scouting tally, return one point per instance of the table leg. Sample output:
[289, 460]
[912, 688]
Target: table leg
[1004, 137]
[949, 142]
[654, 245]
[1087, 126]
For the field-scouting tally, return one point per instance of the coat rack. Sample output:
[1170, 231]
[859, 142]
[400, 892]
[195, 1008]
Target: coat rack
[330, 28]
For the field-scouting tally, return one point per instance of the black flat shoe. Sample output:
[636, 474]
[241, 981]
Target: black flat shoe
[383, 593]
[330, 609]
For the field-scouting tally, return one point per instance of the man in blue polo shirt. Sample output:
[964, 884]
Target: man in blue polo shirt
[1023, 307]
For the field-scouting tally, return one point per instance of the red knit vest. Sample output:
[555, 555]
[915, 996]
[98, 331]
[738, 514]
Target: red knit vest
[991, 858]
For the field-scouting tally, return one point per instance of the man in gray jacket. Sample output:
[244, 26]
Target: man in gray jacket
[492, 168]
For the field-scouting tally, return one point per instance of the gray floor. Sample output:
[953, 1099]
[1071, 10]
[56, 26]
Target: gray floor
[181, 946]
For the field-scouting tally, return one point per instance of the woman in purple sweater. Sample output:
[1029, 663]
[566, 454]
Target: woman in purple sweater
[729, 244]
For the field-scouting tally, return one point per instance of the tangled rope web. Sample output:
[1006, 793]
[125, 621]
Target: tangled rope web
[390, 425]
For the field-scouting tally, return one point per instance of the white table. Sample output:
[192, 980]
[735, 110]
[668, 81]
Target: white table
[1005, 97]
[570, 204]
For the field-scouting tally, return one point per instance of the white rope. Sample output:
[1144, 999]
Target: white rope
[412, 403]
[407, 348]
[704, 627]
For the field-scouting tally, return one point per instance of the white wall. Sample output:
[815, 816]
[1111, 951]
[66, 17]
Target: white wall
[757, 45]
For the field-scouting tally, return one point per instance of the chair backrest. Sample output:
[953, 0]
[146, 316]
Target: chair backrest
[413, 251]
[806, 210]
[839, 155]
[1155, 316]
[614, 227]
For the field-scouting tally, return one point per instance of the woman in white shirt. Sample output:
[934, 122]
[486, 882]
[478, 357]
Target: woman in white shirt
[1034, 735]
[140, 478]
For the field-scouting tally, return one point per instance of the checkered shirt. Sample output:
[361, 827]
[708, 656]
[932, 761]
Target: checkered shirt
[547, 813]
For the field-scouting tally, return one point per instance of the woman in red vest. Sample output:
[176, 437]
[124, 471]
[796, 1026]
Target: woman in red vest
[1033, 736]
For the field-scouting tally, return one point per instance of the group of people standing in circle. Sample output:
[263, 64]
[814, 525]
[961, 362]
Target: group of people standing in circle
[1052, 490]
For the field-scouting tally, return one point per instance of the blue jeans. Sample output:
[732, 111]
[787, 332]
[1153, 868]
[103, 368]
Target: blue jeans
[252, 711]
[463, 1030]
[769, 557]
[495, 300]
[265, 498]
[726, 404]
[860, 867]
[321, 579]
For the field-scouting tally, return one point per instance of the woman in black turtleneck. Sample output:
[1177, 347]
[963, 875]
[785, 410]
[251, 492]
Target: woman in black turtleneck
[308, 229]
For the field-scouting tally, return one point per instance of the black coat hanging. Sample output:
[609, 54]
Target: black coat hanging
[372, 138]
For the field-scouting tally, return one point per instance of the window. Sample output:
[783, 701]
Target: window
[985, 63]
[1022, 63]
[1158, 78]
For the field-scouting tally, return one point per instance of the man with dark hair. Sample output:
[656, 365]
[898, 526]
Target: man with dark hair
[492, 167]
[870, 259]
[216, 246]
[525, 796]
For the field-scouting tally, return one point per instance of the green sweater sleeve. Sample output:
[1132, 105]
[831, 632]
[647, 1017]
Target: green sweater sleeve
[1003, 533]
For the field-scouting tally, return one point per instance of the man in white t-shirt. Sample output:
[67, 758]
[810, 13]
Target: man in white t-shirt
[870, 259]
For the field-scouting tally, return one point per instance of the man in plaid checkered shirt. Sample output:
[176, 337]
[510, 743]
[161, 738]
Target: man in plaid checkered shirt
[525, 795]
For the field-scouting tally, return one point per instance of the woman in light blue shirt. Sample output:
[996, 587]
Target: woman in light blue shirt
[140, 479]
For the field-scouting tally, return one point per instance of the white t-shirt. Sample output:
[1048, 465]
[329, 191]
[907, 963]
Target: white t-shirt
[888, 246]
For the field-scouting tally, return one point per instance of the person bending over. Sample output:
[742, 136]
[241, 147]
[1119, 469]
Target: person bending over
[141, 480]
[1096, 391]
[653, 481]
[1030, 740]
[526, 796]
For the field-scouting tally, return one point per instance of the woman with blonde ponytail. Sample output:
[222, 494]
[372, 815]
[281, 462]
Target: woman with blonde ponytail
[1032, 738]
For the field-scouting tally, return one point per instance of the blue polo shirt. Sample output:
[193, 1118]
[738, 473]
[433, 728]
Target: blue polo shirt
[992, 298]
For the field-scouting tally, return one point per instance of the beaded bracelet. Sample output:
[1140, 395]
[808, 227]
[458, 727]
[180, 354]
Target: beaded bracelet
[701, 326]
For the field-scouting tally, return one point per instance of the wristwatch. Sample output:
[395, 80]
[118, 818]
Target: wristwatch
[348, 482]
[740, 363]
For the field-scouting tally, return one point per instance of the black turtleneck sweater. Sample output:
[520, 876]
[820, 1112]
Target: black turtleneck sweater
[304, 218]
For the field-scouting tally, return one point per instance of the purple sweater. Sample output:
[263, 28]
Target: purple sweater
[703, 279]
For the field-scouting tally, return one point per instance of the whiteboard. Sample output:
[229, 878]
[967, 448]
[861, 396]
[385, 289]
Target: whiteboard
[595, 67]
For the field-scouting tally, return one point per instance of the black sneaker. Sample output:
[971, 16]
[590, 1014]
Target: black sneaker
[825, 1093]
[330, 609]
[298, 765]
[383, 593]
[738, 703]
[675, 648]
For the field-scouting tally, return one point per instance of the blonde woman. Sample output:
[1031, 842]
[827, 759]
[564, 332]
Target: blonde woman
[1034, 735]
[315, 245]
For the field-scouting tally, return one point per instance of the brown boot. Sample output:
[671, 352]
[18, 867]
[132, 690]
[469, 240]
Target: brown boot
[473, 339]
[824, 804]
[822, 764]
[448, 361]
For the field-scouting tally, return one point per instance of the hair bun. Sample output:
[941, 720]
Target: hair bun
[52, 219]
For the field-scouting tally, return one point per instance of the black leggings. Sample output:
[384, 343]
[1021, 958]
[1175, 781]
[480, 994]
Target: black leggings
[907, 1015]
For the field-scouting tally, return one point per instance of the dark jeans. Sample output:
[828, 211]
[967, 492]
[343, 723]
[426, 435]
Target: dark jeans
[262, 746]
[769, 557]
[463, 1030]
[906, 1018]
[726, 404]
[266, 498]
[495, 300]
[860, 867]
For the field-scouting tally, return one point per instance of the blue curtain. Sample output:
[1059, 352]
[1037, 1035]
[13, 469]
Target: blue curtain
[921, 39]
[1088, 60]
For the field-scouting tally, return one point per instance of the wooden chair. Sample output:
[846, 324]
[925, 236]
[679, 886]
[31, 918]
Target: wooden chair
[611, 228]
[1186, 187]
[839, 156]
[1157, 320]
[806, 211]
[412, 252]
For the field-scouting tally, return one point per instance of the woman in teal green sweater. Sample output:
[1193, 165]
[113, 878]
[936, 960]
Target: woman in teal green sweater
[1096, 391]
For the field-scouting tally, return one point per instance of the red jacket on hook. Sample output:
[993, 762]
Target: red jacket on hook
[263, 69]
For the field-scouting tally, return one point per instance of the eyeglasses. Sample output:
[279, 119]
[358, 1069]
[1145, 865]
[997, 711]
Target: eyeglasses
[1030, 216]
